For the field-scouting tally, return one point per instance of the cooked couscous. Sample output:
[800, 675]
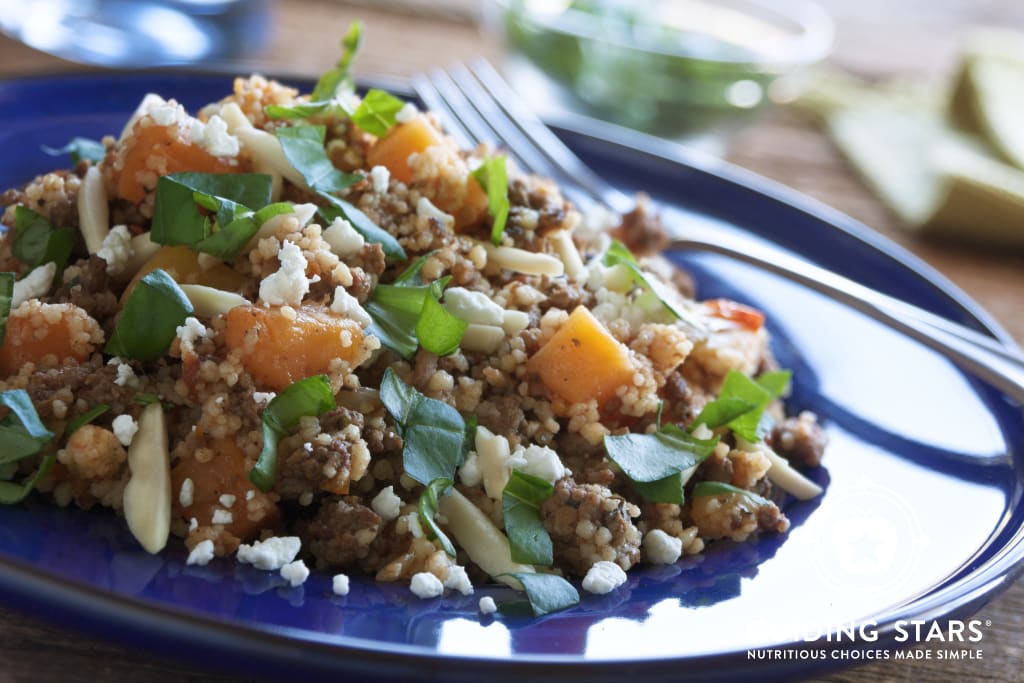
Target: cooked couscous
[309, 330]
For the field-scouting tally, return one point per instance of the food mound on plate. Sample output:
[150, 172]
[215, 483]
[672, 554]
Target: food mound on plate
[302, 329]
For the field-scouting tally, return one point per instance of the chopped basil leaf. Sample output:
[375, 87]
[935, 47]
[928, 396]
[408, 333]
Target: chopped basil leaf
[297, 111]
[659, 463]
[79, 148]
[407, 314]
[37, 242]
[227, 242]
[428, 512]
[11, 493]
[150, 319]
[776, 383]
[22, 433]
[376, 113]
[362, 224]
[432, 431]
[340, 77]
[493, 177]
[520, 502]
[546, 593]
[717, 488]
[310, 397]
[618, 254]
[85, 418]
[737, 385]
[438, 330]
[411, 275]
[6, 297]
[468, 443]
[722, 411]
[303, 146]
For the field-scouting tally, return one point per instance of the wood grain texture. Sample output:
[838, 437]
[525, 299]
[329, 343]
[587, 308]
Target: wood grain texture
[876, 38]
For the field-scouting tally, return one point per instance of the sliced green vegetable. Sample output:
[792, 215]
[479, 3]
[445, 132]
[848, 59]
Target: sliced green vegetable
[376, 113]
[303, 146]
[298, 111]
[717, 488]
[722, 411]
[520, 502]
[150, 319]
[85, 418]
[428, 507]
[6, 297]
[750, 425]
[438, 330]
[37, 242]
[493, 177]
[22, 433]
[229, 241]
[432, 431]
[340, 77]
[79, 148]
[658, 464]
[310, 397]
[618, 254]
[545, 593]
[407, 314]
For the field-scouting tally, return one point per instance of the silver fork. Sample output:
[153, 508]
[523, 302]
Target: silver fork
[478, 106]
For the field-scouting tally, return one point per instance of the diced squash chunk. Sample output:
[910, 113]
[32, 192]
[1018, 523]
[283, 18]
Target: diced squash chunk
[48, 335]
[152, 150]
[182, 264]
[278, 349]
[393, 150]
[227, 473]
[582, 361]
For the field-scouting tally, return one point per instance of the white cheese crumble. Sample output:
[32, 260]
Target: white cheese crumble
[117, 249]
[412, 520]
[458, 580]
[188, 489]
[339, 584]
[34, 285]
[487, 605]
[201, 554]
[425, 585]
[343, 238]
[250, 494]
[191, 332]
[603, 577]
[295, 573]
[473, 307]
[660, 548]
[263, 396]
[193, 524]
[167, 113]
[287, 285]
[227, 500]
[124, 427]
[347, 305]
[425, 208]
[126, 377]
[222, 517]
[213, 136]
[272, 553]
[538, 461]
[469, 473]
[407, 113]
[380, 176]
[387, 504]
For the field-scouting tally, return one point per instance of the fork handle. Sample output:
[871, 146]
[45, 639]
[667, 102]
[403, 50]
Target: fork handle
[999, 365]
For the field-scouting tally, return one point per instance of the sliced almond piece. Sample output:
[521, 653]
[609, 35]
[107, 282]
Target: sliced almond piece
[483, 542]
[93, 211]
[482, 338]
[147, 495]
[783, 475]
[208, 302]
[514, 322]
[567, 251]
[522, 261]
[493, 453]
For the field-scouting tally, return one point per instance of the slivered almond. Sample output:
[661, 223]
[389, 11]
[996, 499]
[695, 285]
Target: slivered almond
[93, 211]
[483, 542]
[147, 495]
[482, 338]
[210, 301]
[522, 261]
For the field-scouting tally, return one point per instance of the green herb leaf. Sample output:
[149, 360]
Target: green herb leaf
[737, 385]
[376, 113]
[432, 431]
[546, 593]
[775, 383]
[150, 319]
[310, 397]
[37, 242]
[79, 148]
[22, 433]
[6, 297]
[407, 314]
[438, 330]
[618, 254]
[229, 241]
[722, 411]
[362, 224]
[659, 464]
[144, 399]
[493, 177]
[717, 488]
[428, 507]
[303, 146]
[298, 111]
[520, 502]
[11, 493]
[85, 418]
[411, 275]
[340, 77]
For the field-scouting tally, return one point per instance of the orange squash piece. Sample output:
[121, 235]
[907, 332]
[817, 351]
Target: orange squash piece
[393, 150]
[277, 350]
[162, 150]
[182, 264]
[47, 340]
[226, 473]
[582, 361]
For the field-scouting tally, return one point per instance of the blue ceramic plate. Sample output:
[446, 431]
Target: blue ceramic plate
[921, 516]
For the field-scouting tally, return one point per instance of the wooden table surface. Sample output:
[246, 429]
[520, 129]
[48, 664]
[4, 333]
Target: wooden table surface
[875, 38]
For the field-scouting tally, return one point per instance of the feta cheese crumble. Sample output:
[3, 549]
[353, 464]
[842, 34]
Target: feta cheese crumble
[425, 585]
[185, 494]
[295, 573]
[34, 285]
[380, 176]
[227, 500]
[273, 553]
[201, 554]
[339, 584]
[343, 238]
[473, 307]
[287, 285]
[425, 208]
[191, 332]
[387, 504]
[469, 473]
[603, 577]
[660, 548]
[487, 605]
[124, 427]
[538, 461]
[347, 305]
[407, 113]
[117, 249]
[458, 580]
[213, 136]
[126, 377]
[222, 517]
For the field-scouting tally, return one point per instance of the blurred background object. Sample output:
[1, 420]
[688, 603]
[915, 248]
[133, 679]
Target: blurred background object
[137, 33]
